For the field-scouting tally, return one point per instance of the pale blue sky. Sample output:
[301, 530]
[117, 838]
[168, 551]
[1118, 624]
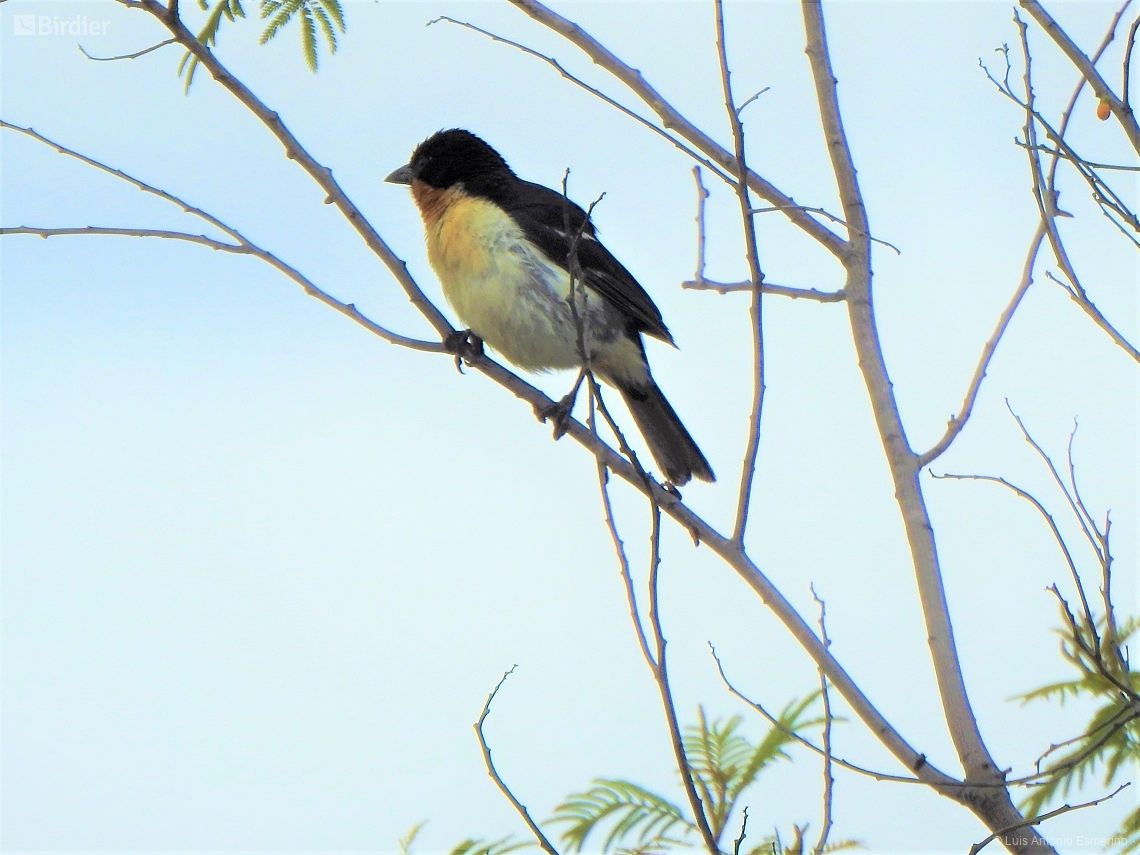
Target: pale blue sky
[260, 569]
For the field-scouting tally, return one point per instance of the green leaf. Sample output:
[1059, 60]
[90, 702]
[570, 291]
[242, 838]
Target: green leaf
[208, 36]
[329, 14]
[308, 37]
[633, 810]
[405, 842]
[1110, 743]
[724, 763]
[502, 846]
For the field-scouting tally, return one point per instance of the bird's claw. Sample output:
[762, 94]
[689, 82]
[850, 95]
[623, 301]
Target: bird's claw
[465, 346]
[559, 414]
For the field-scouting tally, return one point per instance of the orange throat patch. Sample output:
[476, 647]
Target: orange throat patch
[432, 201]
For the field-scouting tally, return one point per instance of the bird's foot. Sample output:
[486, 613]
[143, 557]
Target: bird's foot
[559, 413]
[465, 346]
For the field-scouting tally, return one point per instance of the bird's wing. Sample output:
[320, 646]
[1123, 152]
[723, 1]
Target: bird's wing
[544, 214]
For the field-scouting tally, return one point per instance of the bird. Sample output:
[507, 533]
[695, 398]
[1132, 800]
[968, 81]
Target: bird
[503, 249]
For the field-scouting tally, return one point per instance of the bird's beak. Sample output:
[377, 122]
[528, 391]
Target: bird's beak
[403, 175]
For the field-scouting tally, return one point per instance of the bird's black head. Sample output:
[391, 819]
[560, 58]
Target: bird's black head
[453, 157]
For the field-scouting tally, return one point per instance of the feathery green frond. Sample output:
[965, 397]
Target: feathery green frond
[231, 10]
[632, 809]
[329, 14]
[502, 846]
[405, 842]
[1111, 740]
[326, 27]
[308, 37]
[724, 763]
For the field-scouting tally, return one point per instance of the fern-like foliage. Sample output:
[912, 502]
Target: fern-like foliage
[634, 811]
[502, 846]
[1111, 740]
[229, 10]
[405, 842]
[327, 14]
[723, 764]
[775, 845]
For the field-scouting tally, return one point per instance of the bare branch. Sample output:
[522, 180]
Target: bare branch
[577, 81]
[767, 288]
[702, 199]
[322, 175]
[1074, 158]
[1048, 517]
[748, 473]
[958, 422]
[828, 778]
[674, 121]
[661, 677]
[903, 462]
[134, 55]
[1128, 62]
[1089, 308]
[743, 828]
[920, 759]
[700, 282]
[623, 563]
[1100, 88]
[978, 847]
[244, 247]
[547, 847]
[828, 215]
[201, 240]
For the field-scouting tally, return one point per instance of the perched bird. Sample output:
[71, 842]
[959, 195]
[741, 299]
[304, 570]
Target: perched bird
[503, 248]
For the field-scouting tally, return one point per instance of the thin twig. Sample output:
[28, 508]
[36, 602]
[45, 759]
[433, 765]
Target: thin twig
[623, 563]
[743, 828]
[1098, 318]
[1100, 88]
[748, 470]
[1074, 158]
[958, 422]
[830, 216]
[661, 677]
[1028, 823]
[811, 746]
[493, 772]
[134, 55]
[702, 199]
[243, 248]
[767, 288]
[902, 460]
[322, 175]
[1125, 94]
[1048, 517]
[828, 778]
[577, 81]
[674, 121]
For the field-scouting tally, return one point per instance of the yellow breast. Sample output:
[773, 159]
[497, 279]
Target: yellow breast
[500, 286]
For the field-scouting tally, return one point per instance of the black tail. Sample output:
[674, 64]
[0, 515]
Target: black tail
[672, 447]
